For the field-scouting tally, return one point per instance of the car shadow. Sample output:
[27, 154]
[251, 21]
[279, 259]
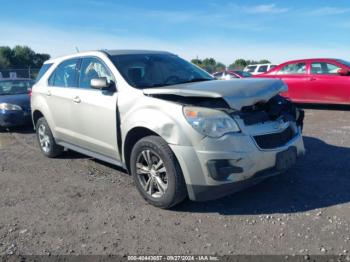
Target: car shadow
[325, 107]
[320, 179]
[27, 129]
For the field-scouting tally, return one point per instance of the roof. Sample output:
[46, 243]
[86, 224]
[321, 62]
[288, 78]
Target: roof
[132, 52]
[310, 59]
[106, 52]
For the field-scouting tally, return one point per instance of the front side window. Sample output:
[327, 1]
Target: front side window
[93, 68]
[293, 69]
[262, 69]
[15, 87]
[155, 70]
[323, 68]
[66, 74]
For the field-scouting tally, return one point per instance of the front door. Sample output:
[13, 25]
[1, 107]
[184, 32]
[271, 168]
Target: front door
[295, 76]
[94, 112]
[326, 85]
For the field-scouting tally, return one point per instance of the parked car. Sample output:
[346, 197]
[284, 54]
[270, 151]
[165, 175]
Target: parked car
[15, 102]
[231, 74]
[257, 69]
[178, 132]
[319, 81]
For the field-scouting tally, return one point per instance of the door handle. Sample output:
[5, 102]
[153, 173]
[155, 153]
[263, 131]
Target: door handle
[312, 79]
[76, 99]
[48, 93]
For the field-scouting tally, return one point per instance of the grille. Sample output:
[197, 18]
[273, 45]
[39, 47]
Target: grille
[274, 140]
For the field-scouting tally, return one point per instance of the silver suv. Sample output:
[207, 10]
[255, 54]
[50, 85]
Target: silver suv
[176, 129]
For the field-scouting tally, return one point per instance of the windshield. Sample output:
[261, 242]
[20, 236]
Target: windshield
[155, 70]
[347, 63]
[14, 87]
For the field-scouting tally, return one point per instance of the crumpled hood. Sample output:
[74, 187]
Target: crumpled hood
[237, 93]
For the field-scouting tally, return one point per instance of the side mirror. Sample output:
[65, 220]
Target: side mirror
[343, 72]
[100, 83]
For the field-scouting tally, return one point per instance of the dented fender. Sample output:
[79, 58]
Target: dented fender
[161, 117]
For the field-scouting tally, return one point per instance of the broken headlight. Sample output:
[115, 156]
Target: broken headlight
[210, 122]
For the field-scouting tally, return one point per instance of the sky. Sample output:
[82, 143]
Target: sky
[225, 30]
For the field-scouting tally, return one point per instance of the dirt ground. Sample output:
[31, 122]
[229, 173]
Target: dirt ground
[77, 205]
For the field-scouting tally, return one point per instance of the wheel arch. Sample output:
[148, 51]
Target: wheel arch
[132, 137]
[35, 116]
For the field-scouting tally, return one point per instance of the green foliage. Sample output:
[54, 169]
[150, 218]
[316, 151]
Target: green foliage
[241, 63]
[209, 64]
[20, 57]
[264, 61]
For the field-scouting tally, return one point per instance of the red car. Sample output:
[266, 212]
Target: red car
[319, 81]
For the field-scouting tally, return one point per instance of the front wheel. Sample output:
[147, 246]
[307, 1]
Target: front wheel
[46, 140]
[156, 172]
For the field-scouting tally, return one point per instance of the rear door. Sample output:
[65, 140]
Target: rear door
[94, 112]
[326, 85]
[295, 75]
[59, 98]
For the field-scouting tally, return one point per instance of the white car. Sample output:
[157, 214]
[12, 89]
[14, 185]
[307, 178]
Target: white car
[172, 126]
[258, 68]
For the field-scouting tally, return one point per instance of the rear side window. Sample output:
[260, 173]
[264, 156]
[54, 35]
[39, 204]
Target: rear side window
[262, 69]
[293, 69]
[42, 71]
[66, 74]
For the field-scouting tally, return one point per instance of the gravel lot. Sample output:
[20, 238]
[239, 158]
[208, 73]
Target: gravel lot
[77, 205]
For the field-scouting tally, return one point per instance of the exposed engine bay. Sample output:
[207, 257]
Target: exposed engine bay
[277, 107]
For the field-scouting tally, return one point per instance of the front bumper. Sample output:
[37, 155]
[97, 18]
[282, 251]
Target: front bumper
[251, 164]
[14, 118]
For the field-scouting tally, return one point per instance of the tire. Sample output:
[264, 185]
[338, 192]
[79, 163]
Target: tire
[161, 185]
[46, 140]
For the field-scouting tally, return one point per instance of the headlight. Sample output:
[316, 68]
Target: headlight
[210, 122]
[5, 106]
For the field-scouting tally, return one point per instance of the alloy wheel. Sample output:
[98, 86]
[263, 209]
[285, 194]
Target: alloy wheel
[44, 138]
[151, 173]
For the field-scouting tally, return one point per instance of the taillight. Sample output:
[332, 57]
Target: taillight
[30, 92]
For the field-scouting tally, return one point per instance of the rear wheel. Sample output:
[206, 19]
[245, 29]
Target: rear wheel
[156, 172]
[46, 140]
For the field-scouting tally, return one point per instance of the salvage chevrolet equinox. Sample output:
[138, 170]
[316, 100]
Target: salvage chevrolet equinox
[172, 126]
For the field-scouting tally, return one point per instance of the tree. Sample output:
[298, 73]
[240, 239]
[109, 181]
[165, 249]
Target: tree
[209, 64]
[242, 63]
[197, 62]
[5, 57]
[220, 67]
[238, 64]
[20, 57]
[264, 61]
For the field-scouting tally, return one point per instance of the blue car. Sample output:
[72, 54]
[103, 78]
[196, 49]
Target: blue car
[15, 102]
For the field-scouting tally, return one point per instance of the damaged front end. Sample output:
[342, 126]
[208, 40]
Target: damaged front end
[277, 108]
[248, 133]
